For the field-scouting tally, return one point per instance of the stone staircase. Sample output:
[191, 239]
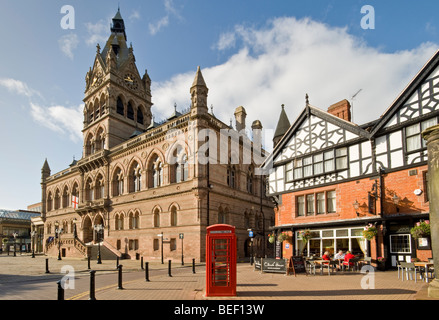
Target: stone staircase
[107, 251]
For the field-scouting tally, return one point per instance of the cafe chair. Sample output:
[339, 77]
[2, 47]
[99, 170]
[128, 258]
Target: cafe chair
[410, 271]
[365, 261]
[430, 270]
[400, 269]
[351, 264]
[312, 267]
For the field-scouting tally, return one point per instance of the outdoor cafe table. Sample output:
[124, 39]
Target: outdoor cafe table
[424, 265]
[325, 263]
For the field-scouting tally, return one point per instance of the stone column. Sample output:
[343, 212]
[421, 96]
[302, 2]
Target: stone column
[432, 136]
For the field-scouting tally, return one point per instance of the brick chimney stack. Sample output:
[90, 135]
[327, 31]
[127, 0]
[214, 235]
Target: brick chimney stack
[341, 109]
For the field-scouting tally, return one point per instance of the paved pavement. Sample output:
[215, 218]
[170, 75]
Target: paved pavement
[25, 278]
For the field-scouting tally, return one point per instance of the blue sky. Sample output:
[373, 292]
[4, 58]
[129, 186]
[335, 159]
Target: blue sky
[259, 54]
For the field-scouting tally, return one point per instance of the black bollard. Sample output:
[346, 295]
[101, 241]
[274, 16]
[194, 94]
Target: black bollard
[60, 291]
[193, 265]
[117, 262]
[141, 262]
[146, 271]
[88, 259]
[119, 282]
[92, 285]
[47, 266]
[169, 268]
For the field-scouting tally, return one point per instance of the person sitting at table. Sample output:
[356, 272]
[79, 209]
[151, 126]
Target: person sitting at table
[339, 255]
[326, 256]
[340, 258]
[347, 257]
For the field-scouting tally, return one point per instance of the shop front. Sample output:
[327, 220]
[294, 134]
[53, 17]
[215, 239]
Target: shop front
[332, 240]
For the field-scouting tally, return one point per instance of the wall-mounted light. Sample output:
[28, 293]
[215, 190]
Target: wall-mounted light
[396, 201]
[356, 207]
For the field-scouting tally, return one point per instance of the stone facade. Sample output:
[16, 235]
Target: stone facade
[141, 180]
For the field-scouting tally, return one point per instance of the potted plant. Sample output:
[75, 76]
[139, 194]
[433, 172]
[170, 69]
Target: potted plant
[381, 263]
[305, 235]
[370, 231]
[421, 229]
[282, 236]
[271, 238]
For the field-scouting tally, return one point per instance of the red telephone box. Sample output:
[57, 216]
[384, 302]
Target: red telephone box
[220, 260]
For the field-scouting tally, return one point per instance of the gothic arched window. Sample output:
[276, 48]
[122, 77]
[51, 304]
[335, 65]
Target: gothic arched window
[139, 115]
[157, 172]
[118, 183]
[120, 107]
[135, 178]
[173, 216]
[130, 111]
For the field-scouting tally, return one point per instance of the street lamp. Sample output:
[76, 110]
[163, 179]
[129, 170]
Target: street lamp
[15, 235]
[58, 232]
[75, 232]
[161, 235]
[32, 234]
[99, 228]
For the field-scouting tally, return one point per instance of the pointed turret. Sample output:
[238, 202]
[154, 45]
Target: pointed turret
[45, 171]
[282, 126]
[118, 24]
[199, 92]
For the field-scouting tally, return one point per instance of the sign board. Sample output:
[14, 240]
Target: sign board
[181, 235]
[258, 264]
[250, 234]
[297, 265]
[278, 249]
[274, 265]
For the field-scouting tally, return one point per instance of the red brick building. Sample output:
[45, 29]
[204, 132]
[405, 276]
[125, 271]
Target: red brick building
[334, 177]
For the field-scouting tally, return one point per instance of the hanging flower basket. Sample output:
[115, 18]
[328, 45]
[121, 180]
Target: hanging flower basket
[305, 235]
[282, 237]
[271, 238]
[369, 232]
[421, 229]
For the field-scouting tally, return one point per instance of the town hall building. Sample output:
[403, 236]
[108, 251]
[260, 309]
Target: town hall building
[150, 189]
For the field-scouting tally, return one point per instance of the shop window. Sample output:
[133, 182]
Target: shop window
[400, 243]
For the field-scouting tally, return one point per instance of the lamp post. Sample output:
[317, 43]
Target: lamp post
[161, 236]
[58, 232]
[32, 234]
[15, 235]
[75, 232]
[99, 228]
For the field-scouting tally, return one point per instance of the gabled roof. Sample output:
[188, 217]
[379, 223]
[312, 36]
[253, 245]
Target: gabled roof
[407, 92]
[305, 114]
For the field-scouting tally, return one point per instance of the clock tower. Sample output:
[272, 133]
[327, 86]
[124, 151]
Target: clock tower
[117, 99]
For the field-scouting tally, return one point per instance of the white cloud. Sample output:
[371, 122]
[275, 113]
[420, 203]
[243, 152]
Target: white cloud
[19, 87]
[170, 10]
[154, 28]
[288, 58]
[60, 119]
[68, 44]
[135, 15]
[96, 32]
[226, 41]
